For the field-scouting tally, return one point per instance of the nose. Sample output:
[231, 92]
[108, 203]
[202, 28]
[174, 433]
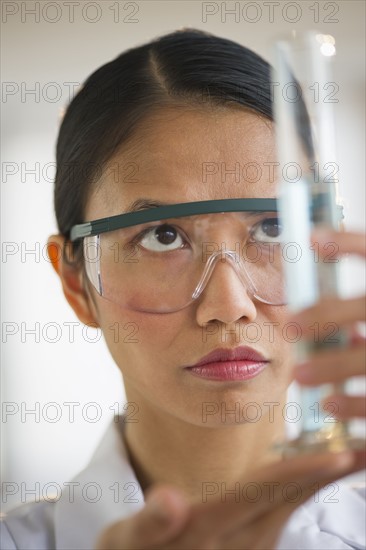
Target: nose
[224, 296]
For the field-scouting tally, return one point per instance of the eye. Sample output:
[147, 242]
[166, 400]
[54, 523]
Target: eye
[162, 238]
[267, 230]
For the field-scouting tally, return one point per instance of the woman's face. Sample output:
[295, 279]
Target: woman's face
[182, 156]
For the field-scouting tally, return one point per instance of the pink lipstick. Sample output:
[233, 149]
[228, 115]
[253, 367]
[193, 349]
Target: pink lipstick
[241, 363]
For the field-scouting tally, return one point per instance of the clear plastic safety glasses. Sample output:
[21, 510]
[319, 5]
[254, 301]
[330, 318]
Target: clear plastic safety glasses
[160, 259]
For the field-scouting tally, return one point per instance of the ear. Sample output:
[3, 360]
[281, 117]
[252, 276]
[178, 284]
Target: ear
[73, 283]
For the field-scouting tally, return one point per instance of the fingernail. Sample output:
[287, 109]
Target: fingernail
[303, 372]
[335, 462]
[158, 508]
[322, 235]
[344, 459]
[334, 402]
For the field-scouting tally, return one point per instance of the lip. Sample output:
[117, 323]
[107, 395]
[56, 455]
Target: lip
[241, 363]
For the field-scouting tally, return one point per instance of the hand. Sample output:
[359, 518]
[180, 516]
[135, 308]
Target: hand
[169, 521]
[337, 365]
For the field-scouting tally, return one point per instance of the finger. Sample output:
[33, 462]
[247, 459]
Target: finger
[321, 322]
[331, 366]
[275, 518]
[211, 525]
[347, 406]
[356, 335]
[346, 242]
[359, 458]
[164, 515]
[293, 473]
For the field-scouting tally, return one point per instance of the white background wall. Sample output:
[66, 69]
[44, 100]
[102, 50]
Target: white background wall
[45, 56]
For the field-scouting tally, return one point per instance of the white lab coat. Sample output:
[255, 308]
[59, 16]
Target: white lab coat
[107, 490]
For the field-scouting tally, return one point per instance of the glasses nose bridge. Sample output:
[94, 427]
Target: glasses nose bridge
[236, 263]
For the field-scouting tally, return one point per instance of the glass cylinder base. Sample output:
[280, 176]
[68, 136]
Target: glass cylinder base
[335, 440]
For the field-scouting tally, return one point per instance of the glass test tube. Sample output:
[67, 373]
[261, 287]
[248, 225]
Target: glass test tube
[308, 193]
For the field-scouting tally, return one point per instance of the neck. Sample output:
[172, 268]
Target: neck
[195, 458]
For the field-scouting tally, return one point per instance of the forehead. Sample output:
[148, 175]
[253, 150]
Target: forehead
[182, 155]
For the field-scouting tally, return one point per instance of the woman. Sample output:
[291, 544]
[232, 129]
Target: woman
[160, 131]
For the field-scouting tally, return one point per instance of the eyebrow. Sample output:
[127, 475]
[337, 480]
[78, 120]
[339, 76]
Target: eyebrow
[143, 204]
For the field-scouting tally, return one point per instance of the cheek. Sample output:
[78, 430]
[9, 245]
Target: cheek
[140, 337]
[148, 350]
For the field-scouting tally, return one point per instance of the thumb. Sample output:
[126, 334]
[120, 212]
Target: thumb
[161, 519]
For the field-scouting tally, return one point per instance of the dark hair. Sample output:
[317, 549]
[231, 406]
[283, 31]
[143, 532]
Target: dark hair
[187, 67]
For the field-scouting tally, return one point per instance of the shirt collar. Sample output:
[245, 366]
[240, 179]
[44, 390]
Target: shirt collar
[107, 490]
